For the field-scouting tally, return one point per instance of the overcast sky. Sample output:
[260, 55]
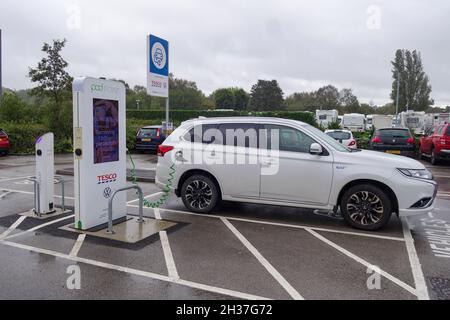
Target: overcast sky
[302, 44]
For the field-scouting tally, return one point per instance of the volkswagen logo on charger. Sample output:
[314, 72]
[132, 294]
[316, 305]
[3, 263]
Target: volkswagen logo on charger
[107, 193]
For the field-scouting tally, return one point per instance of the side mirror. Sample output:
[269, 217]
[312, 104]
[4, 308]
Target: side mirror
[315, 149]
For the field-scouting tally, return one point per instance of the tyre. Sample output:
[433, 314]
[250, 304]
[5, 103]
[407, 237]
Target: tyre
[434, 159]
[200, 194]
[366, 207]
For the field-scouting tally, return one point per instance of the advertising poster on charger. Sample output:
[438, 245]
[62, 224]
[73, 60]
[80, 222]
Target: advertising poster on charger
[106, 131]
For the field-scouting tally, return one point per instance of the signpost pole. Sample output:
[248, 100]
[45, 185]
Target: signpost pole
[167, 111]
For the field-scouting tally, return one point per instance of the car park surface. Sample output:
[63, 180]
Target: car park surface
[242, 251]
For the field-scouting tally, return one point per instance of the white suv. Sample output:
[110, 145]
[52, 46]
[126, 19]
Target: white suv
[289, 163]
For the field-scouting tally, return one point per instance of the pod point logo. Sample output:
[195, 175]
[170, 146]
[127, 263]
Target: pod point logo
[95, 87]
[159, 55]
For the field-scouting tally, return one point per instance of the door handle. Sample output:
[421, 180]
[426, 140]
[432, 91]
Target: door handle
[267, 163]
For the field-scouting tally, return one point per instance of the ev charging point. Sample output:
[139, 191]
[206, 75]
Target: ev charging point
[99, 115]
[45, 180]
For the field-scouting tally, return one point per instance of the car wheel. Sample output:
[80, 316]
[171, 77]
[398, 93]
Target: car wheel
[366, 207]
[433, 159]
[200, 194]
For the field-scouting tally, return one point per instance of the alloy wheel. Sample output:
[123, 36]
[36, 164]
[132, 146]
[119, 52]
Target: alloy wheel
[365, 208]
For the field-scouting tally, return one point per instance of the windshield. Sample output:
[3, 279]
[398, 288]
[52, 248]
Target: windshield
[339, 135]
[329, 140]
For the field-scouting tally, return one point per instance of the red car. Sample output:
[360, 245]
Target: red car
[4, 143]
[435, 145]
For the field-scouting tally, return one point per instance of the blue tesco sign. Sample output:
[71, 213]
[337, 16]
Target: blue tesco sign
[158, 56]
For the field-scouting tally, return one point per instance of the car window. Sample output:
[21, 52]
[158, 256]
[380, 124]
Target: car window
[394, 133]
[448, 130]
[239, 134]
[339, 135]
[439, 130]
[204, 133]
[148, 132]
[289, 139]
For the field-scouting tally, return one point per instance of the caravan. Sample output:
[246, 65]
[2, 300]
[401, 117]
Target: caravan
[414, 120]
[325, 117]
[354, 122]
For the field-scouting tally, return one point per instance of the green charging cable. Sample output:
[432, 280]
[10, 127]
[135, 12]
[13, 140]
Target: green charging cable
[166, 190]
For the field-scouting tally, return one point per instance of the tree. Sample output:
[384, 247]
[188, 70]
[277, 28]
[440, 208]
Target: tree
[53, 82]
[266, 96]
[348, 101]
[14, 109]
[184, 94]
[327, 97]
[224, 98]
[231, 98]
[415, 89]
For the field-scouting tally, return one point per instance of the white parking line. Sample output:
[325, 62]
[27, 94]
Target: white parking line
[266, 264]
[363, 262]
[146, 197]
[279, 224]
[12, 227]
[146, 274]
[12, 179]
[168, 256]
[3, 195]
[77, 246]
[419, 280]
[40, 226]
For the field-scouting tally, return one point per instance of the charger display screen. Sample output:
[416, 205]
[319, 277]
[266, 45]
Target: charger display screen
[106, 130]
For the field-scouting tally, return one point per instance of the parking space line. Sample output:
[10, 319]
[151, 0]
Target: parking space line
[32, 193]
[146, 274]
[281, 224]
[363, 262]
[5, 194]
[77, 246]
[146, 197]
[419, 280]
[12, 179]
[40, 226]
[12, 227]
[266, 264]
[168, 255]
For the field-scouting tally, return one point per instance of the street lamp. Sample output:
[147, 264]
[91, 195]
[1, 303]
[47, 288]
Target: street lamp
[137, 103]
[398, 91]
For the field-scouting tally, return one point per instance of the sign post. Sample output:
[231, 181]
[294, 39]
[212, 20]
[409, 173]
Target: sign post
[158, 69]
[100, 150]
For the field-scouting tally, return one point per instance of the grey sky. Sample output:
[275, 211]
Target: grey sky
[302, 44]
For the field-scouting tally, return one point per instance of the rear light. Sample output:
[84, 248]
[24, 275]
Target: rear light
[410, 141]
[376, 140]
[162, 150]
[158, 133]
[352, 143]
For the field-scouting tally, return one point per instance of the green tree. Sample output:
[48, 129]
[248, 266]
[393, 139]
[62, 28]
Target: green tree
[266, 96]
[13, 109]
[415, 88]
[327, 97]
[224, 98]
[348, 101]
[241, 98]
[184, 94]
[53, 82]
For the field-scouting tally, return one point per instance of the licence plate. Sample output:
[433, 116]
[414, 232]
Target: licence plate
[146, 140]
[393, 151]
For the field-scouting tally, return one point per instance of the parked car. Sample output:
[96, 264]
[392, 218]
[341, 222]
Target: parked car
[149, 138]
[343, 136]
[435, 145]
[309, 169]
[398, 141]
[4, 143]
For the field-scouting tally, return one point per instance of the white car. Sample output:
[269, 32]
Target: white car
[290, 163]
[343, 136]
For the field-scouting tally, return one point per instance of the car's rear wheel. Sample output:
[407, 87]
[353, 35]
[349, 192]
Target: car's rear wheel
[433, 159]
[366, 207]
[200, 193]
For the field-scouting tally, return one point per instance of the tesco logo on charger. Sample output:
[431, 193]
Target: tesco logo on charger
[106, 178]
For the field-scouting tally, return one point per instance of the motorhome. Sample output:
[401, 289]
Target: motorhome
[354, 122]
[325, 117]
[414, 120]
[381, 121]
[369, 119]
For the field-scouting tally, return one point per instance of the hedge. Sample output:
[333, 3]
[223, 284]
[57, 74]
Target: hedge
[22, 137]
[178, 116]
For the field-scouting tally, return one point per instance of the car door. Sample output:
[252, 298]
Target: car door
[293, 174]
[234, 160]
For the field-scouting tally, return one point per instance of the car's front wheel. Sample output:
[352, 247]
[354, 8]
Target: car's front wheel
[200, 194]
[366, 207]
[433, 159]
